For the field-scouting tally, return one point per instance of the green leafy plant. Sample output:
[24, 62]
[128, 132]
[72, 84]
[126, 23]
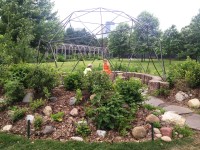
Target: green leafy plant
[58, 116]
[162, 92]
[185, 130]
[157, 125]
[36, 104]
[14, 91]
[129, 89]
[73, 81]
[83, 129]
[17, 113]
[78, 96]
[38, 122]
[46, 92]
[149, 107]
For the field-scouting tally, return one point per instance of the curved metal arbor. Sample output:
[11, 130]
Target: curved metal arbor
[98, 22]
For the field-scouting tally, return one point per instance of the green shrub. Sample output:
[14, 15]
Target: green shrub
[162, 92]
[129, 89]
[38, 122]
[78, 96]
[83, 129]
[157, 125]
[4, 74]
[36, 104]
[17, 113]
[185, 130]
[98, 82]
[188, 71]
[46, 92]
[58, 116]
[61, 58]
[149, 107]
[110, 113]
[73, 81]
[14, 91]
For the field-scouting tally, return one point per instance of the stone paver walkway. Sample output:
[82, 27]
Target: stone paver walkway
[192, 120]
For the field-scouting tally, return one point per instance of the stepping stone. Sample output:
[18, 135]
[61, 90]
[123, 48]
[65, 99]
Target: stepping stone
[178, 109]
[154, 101]
[193, 121]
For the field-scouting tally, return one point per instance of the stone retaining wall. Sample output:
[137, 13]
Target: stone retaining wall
[153, 82]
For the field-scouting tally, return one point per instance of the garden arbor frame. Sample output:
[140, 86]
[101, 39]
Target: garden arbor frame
[98, 22]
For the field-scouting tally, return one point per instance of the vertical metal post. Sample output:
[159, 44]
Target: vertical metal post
[28, 129]
[152, 132]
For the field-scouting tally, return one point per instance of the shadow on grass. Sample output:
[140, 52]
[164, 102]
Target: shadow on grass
[13, 142]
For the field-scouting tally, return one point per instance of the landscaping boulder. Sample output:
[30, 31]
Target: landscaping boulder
[48, 130]
[47, 111]
[158, 135]
[76, 138]
[101, 133]
[7, 128]
[166, 131]
[156, 130]
[72, 101]
[53, 99]
[172, 117]
[74, 112]
[166, 139]
[28, 97]
[152, 118]
[139, 132]
[180, 96]
[194, 103]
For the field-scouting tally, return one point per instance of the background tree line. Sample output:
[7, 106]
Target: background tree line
[23, 23]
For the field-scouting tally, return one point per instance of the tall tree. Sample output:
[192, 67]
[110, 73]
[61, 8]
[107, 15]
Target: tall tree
[118, 41]
[23, 23]
[171, 42]
[146, 32]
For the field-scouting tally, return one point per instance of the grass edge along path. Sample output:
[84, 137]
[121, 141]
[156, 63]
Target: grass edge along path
[14, 142]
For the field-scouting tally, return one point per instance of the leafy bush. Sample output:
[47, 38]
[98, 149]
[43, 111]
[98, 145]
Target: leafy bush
[188, 71]
[79, 96]
[129, 89]
[185, 130]
[110, 113]
[38, 122]
[157, 125]
[73, 81]
[58, 116]
[46, 92]
[17, 113]
[14, 91]
[4, 74]
[36, 104]
[97, 82]
[61, 58]
[162, 92]
[83, 129]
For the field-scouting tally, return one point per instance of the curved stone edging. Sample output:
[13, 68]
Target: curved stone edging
[153, 82]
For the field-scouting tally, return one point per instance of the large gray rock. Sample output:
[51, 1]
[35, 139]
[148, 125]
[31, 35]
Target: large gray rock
[152, 118]
[139, 132]
[178, 109]
[28, 97]
[48, 130]
[172, 117]
[72, 101]
[7, 128]
[101, 133]
[193, 121]
[180, 96]
[47, 111]
[194, 103]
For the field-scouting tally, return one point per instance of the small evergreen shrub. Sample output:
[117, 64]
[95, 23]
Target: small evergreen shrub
[58, 116]
[17, 113]
[83, 129]
[38, 122]
[73, 81]
[36, 104]
[78, 96]
[185, 130]
[14, 91]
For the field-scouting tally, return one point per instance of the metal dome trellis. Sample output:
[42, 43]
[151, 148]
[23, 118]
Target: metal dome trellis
[97, 22]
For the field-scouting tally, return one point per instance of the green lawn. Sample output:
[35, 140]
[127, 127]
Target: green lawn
[134, 64]
[13, 142]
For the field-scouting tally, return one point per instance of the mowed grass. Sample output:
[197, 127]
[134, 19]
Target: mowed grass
[128, 65]
[13, 142]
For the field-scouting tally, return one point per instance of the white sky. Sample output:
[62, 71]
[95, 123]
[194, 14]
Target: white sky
[178, 12]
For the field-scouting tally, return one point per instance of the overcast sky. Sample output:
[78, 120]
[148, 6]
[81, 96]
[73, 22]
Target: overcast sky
[178, 12]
